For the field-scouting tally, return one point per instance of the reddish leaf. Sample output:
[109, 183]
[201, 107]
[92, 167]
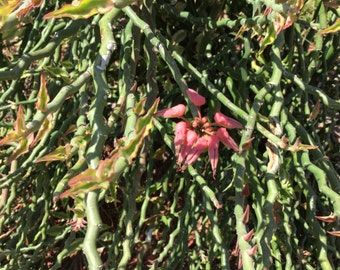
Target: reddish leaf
[332, 29]
[20, 125]
[88, 176]
[82, 183]
[246, 214]
[19, 131]
[329, 219]
[84, 9]
[61, 153]
[44, 129]
[245, 191]
[25, 9]
[247, 144]
[315, 112]
[252, 251]
[105, 168]
[108, 170]
[9, 138]
[248, 236]
[84, 188]
[22, 148]
[298, 146]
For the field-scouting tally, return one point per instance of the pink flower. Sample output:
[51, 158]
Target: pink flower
[200, 145]
[226, 121]
[190, 139]
[213, 143]
[180, 135]
[176, 111]
[77, 224]
[195, 97]
[225, 138]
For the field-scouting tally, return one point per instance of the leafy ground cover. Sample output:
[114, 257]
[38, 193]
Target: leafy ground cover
[169, 134]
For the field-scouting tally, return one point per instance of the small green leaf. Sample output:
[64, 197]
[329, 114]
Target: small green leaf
[139, 108]
[55, 230]
[146, 120]
[22, 148]
[20, 125]
[43, 97]
[81, 141]
[60, 215]
[268, 39]
[61, 153]
[67, 64]
[179, 36]
[77, 244]
[143, 127]
[129, 152]
[59, 73]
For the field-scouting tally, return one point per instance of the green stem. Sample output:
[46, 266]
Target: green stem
[28, 58]
[99, 135]
[321, 180]
[315, 91]
[93, 226]
[164, 53]
[321, 244]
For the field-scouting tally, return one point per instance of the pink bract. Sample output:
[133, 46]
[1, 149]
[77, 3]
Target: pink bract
[225, 138]
[226, 121]
[175, 111]
[213, 143]
[190, 139]
[200, 145]
[195, 97]
[180, 134]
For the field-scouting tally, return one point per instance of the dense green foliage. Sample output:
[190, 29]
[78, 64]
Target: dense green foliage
[77, 96]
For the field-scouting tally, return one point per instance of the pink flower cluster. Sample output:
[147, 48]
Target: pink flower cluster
[194, 137]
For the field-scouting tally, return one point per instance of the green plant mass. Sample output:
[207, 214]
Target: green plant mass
[166, 134]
